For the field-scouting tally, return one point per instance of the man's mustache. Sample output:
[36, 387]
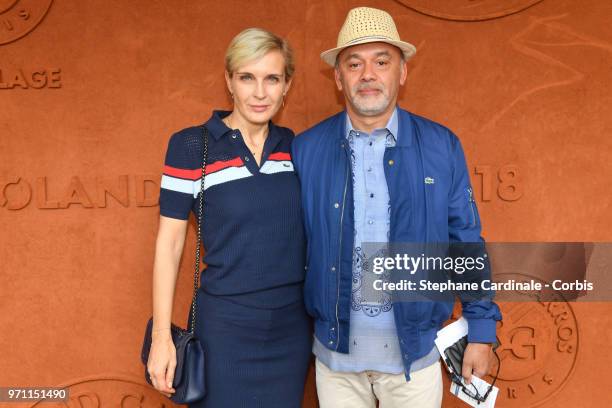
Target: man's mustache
[368, 87]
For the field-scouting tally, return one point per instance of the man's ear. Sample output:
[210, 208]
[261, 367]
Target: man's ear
[404, 71]
[338, 77]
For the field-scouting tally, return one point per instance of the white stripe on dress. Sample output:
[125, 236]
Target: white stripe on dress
[193, 186]
[272, 166]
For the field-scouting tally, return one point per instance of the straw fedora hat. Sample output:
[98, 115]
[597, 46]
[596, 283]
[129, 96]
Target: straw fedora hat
[365, 25]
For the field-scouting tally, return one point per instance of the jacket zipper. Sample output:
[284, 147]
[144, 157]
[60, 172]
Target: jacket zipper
[346, 177]
[471, 203]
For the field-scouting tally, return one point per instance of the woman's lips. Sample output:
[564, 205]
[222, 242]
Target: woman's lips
[259, 108]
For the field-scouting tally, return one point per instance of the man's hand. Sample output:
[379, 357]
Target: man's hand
[477, 358]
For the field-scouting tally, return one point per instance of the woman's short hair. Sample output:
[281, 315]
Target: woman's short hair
[254, 43]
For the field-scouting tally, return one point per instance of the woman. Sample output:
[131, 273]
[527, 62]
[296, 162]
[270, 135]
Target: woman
[250, 313]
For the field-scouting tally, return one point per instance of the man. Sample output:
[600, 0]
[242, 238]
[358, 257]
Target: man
[377, 173]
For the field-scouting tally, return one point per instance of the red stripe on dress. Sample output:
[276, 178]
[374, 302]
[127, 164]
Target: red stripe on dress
[279, 156]
[182, 173]
[220, 165]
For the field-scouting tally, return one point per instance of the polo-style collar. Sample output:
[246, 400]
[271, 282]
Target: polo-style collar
[217, 128]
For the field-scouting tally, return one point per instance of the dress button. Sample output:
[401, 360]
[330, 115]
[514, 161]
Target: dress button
[336, 205]
[391, 162]
[331, 342]
[233, 135]
[333, 329]
[246, 158]
[333, 268]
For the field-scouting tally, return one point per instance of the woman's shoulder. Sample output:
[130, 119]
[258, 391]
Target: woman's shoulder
[186, 145]
[285, 132]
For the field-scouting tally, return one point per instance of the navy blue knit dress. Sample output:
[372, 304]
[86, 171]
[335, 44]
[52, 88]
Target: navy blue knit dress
[250, 312]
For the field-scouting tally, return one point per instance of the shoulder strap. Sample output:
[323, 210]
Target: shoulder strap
[196, 275]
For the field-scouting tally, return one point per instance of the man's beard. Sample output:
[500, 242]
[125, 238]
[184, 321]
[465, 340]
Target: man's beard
[370, 105]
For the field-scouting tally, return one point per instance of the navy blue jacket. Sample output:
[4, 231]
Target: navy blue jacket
[442, 211]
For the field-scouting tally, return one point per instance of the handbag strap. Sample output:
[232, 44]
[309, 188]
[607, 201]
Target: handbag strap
[196, 275]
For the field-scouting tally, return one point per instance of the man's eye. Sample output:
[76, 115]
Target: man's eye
[354, 65]
[382, 63]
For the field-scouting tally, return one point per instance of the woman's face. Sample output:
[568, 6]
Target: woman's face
[258, 87]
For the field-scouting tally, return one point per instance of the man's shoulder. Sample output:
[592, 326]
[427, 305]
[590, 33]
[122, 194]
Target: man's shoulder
[426, 124]
[320, 129]
[429, 130]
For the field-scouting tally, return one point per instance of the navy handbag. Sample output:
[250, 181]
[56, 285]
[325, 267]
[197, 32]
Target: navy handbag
[189, 381]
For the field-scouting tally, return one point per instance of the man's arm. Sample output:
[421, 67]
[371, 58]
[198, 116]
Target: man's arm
[480, 311]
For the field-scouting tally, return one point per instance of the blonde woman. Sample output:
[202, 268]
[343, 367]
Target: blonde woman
[250, 312]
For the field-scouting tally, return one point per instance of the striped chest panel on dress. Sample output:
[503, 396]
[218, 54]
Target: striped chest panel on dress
[277, 163]
[219, 172]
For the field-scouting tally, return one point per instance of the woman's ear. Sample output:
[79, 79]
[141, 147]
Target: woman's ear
[228, 81]
[287, 86]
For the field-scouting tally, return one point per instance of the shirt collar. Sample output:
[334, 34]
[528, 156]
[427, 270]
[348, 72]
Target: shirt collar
[217, 128]
[392, 125]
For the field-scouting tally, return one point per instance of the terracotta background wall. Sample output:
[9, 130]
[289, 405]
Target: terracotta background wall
[90, 91]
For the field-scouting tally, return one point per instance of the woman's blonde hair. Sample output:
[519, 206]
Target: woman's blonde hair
[254, 43]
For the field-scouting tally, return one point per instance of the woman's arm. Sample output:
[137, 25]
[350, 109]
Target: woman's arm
[168, 251]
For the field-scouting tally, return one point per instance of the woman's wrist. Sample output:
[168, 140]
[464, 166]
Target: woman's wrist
[160, 331]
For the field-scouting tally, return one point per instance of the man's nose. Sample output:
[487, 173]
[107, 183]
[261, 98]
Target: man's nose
[368, 73]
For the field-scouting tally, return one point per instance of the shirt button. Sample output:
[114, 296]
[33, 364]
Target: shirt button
[331, 342]
[246, 158]
[333, 329]
[391, 162]
[370, 143]
[369, 169]
[371, 195]
[233, 135]
[336, 205]
[370, 222]
[333, 268]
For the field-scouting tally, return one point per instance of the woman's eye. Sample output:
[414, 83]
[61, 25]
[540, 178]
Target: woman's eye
[245, 77]
[273, 79]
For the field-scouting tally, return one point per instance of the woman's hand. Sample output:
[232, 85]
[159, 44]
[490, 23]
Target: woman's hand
[162, 362]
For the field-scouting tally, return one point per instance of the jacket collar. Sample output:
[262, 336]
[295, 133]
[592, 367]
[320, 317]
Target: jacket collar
[405, 133]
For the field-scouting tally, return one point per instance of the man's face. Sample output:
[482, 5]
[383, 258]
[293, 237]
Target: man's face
[370, 75]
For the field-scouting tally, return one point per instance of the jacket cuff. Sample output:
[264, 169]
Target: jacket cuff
[481, 331]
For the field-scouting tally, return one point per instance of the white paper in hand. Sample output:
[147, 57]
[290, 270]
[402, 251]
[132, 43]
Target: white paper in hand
[482, 387]
[448, 336]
